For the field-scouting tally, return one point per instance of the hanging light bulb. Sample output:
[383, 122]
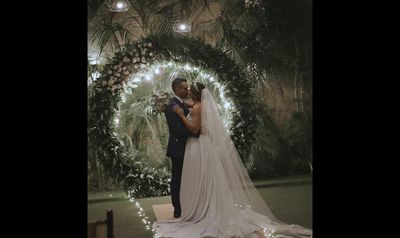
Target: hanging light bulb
[118, 5]
[182, 27]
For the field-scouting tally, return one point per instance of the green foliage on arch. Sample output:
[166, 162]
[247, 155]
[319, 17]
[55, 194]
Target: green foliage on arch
[141, 180]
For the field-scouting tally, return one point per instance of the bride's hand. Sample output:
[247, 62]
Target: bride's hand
[178, 110]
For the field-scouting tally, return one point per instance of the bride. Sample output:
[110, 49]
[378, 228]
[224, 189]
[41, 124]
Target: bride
[218, 198]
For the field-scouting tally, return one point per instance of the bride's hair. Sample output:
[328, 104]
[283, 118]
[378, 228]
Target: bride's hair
[196, 90]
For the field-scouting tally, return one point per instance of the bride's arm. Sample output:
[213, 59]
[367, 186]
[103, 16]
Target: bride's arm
[195, 125]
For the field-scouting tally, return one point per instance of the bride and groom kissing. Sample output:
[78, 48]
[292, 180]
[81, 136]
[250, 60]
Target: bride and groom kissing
[211, 191]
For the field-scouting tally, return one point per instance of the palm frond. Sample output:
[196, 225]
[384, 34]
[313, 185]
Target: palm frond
[104, 32]
[167, 17]
[94, 7]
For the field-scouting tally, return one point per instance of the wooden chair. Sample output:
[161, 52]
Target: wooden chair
[102, 228]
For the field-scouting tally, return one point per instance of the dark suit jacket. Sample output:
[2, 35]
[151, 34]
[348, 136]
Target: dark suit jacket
[178, 133]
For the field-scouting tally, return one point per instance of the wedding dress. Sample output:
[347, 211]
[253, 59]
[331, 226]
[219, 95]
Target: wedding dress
[218, 198]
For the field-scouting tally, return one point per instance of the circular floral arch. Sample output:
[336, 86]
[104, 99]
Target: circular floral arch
[140, 180]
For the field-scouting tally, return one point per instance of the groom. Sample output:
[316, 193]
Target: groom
[178, 134]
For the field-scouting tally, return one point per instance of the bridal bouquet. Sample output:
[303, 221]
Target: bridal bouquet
[160, 101]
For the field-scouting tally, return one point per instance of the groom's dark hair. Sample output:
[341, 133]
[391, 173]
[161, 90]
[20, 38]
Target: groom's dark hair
[176, 83]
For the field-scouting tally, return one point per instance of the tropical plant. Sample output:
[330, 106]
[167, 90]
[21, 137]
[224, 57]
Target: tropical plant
[269, 40]
[105, 98]
[109, 30]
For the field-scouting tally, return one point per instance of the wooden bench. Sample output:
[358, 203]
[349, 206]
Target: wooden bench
[102, 228]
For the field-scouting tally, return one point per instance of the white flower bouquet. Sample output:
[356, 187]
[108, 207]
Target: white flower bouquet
[160, 101]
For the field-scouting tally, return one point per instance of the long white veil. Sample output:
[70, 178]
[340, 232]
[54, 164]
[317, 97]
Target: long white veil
[244, 193]
[243, 190]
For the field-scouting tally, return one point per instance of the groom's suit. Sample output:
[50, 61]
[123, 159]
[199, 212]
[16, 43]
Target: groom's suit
[178, 135]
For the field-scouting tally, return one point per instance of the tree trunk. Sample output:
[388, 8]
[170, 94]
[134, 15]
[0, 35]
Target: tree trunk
[114, 33]
[116, 39]
[94, 175]
[302, 93]
[303, 70]
[297, 80]
[295, 88]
